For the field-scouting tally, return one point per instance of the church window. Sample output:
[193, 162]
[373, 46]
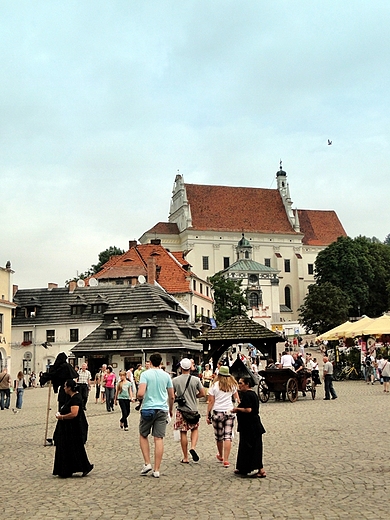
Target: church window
[254, 300]
[205, 261]
[246, 255]
[194, 285]
[310, 268]
[226, 262]
[287, 297]
[201, 288]
[287, 266]
[267, 262]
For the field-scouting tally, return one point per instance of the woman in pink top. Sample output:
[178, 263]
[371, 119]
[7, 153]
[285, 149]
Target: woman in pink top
[109, 379]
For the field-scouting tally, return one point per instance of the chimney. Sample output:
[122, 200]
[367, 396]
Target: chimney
[132, 243]
[151, 274]
[156, 241]
[72, 286]
[15, 289]
[51, 286]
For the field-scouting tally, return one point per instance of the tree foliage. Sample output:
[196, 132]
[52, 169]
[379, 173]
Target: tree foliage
[324, 307]
[228, 297]
[103, 257]
[360, 267]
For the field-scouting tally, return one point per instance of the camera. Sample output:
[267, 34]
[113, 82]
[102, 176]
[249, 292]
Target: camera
[180, 400]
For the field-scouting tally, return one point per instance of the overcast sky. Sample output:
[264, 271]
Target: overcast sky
[103, 101]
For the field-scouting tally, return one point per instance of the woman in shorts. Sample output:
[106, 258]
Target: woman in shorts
[219, 412]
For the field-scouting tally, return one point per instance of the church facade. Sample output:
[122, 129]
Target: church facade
[207, 222]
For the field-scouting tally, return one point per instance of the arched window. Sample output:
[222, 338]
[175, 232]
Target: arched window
[254, 300]
[287, 297]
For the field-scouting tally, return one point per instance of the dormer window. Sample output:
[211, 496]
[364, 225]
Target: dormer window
[112, 334]
[148, 328]
[77, 306]
[77, 309]
[97, 308]
[113, 330]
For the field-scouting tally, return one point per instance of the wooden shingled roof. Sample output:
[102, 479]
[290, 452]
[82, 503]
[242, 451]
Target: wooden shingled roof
[239, 329]
[142, 306]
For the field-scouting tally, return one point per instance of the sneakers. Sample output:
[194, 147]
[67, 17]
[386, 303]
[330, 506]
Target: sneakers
[126, 429]
[226, 464]
[156, 474]
[146, 468]
[219, 457]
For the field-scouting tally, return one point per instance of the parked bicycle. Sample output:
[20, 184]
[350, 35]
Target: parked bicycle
[348, 372]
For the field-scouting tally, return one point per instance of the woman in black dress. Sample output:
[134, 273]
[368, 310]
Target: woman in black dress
[70, 436]
[250, 448]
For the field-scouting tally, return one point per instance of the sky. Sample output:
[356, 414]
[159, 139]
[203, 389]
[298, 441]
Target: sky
[101, 103]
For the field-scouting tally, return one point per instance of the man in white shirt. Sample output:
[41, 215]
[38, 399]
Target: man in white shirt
[287, 361]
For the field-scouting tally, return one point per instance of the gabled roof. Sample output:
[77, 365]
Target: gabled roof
[227, 208]
[171, 275]
[320, 228]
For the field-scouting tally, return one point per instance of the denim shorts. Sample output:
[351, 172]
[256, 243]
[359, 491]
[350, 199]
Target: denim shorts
[155, 422]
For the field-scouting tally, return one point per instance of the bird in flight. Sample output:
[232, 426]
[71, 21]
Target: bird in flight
[329, 142]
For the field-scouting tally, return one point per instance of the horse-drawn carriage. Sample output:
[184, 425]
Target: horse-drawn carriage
[285, 382]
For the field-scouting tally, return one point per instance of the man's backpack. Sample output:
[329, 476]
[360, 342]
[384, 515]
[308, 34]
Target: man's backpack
[368, 361]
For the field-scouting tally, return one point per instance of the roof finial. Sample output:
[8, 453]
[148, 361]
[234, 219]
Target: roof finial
[280, 164]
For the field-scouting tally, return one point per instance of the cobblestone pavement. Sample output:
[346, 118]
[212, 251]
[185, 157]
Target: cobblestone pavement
[324, 460]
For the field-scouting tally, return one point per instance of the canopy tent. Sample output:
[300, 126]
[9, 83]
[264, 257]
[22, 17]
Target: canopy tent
[336, 332]
[357, 327]
[378, 327]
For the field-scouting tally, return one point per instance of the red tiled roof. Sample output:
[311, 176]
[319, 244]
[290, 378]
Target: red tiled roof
[164, 228]
[320, 228]
[227, 208]
[171, 276]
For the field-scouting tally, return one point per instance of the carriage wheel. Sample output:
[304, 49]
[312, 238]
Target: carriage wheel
[263, 391]
[292, 390]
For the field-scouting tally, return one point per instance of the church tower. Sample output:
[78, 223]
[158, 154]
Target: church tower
[284, 190]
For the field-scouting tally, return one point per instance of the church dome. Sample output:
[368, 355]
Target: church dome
[244, 242]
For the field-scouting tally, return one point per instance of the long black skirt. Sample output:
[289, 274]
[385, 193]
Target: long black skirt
[250, 452]
[70, 456]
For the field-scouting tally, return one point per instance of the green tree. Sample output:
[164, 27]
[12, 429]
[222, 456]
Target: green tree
[324, 307]
[387, 240]
[103, 257]
[360, 267]
[228, 297]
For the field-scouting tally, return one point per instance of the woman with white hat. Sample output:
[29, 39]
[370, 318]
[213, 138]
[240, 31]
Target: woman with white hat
[219, 412]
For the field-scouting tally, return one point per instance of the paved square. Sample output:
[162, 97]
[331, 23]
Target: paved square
[324, 460]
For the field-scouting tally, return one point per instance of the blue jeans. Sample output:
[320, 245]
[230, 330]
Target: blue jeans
[19, 398]
[5, 398]
[329, 390]
[110, 392]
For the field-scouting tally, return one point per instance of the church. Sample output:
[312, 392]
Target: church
[206, 223]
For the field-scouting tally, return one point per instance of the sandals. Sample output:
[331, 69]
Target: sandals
[184, 461]
[219, 457]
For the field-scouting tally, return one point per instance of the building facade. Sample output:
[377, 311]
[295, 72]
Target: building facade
[112, 324]
[6, 308]
[155, 264]
[207, 222]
